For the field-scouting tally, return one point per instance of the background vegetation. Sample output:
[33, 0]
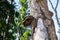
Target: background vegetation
[11, 26]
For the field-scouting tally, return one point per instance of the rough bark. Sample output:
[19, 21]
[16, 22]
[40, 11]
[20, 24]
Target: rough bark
[39, 9]
[40, 31]
[50, 29]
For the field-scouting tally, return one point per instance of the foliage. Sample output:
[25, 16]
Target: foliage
[7, 20]
[23, 13]
[11, 21]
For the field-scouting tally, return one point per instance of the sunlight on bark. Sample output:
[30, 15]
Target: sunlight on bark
[40, 31]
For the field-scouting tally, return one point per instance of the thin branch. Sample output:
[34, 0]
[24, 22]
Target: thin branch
[51, 4]
[55, 11]
[57, 4]
[57, 18]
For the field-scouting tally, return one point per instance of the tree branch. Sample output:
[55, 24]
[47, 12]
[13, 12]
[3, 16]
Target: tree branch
[55, 11]
[57, 4]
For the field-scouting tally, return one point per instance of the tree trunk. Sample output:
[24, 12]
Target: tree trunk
[40, 31]
[45, 29]
[50, 29]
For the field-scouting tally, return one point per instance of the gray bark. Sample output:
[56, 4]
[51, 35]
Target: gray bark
[40, 31]
[39, 9]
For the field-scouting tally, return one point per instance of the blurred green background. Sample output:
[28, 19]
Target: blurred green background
[11, 27]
